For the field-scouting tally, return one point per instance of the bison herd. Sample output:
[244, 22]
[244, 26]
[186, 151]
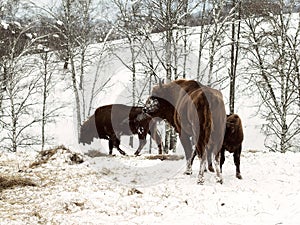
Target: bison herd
[197, 112]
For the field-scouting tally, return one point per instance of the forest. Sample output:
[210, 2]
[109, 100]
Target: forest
[62, 59]
[243, 48]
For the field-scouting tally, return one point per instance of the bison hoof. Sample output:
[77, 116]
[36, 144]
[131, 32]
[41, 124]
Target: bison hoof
[239, 176]
[200, 181]
[188, 172]
[122, 152]
[220, 181]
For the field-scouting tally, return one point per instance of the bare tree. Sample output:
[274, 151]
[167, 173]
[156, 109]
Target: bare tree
[202, 38]
[20, 85]
[167, 15]
[217, 25]
[235, 38]
[273, 65]
[75, 27]
[50, 108]
[130, 22]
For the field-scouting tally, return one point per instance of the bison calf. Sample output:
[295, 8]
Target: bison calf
[233, 141]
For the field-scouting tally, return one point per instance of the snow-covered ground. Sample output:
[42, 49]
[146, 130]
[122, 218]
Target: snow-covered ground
[136, 190]
[88, 194]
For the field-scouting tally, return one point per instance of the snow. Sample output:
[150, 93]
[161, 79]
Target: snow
[135, 190]
[4, 24]
[60, 23]
[86, 194]
[17, 23]
[29, 35]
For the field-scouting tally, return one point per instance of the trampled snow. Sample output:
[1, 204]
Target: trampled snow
[88, 194]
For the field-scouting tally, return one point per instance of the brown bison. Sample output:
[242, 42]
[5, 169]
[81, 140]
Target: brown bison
[110, 122]
[198, 114]
[232, 142]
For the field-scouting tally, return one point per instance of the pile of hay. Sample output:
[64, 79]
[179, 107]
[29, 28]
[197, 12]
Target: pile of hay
[10, 182]
[165, 157]
[51, 154]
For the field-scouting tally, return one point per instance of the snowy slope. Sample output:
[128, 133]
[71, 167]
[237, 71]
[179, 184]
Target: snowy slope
[133, 190]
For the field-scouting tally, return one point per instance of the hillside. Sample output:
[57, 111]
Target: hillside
[91, 192]
[69, 185]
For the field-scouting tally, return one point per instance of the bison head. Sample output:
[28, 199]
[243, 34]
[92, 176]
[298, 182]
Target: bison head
[152, 105]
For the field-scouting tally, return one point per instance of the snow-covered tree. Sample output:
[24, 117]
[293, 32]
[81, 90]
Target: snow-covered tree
[20, 82]
[274, 64]
[75, 25]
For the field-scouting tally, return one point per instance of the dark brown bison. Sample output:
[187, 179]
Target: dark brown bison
[198, 114]
[232, 142]
[110, 122]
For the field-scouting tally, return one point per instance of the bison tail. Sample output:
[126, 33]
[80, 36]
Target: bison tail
[207, 124]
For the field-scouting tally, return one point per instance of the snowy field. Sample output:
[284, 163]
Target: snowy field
[67, 193]
[135, 190]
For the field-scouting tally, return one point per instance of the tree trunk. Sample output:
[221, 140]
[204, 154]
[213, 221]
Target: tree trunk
[167, 137]
[14, 124]
[168, 56]
[235, 35]
[201, 44]
[133, 70]
[186, 5]
[76, 94]
[45, 83]
[81, 81]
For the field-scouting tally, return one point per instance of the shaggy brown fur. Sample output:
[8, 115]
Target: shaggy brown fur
[189, 106]
[112, 121]
[233, 141]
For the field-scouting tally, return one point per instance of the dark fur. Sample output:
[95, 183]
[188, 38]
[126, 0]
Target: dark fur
[112, 121]
[187, 105]
[233, 141]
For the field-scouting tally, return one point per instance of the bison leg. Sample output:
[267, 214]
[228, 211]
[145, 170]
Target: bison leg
[218, 170]
[187, 145]
[111, 146]
[116, 143]
[236, 157]
[222, 158]
[157, 138]
[193, 156]
[203, 159]
[209, 161]
[121, 151]
[142, 143]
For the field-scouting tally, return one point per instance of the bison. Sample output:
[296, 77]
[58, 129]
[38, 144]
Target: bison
[110, 122]
[198, 114]
[232, 142]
